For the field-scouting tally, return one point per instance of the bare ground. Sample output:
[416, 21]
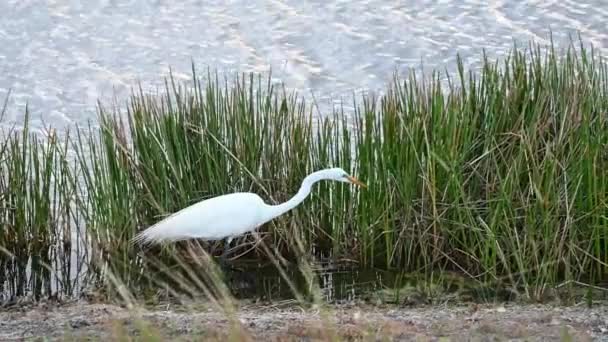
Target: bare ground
[80, 321]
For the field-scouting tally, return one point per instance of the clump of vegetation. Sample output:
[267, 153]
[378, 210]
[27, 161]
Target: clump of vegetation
[500, 176]
[37, 235]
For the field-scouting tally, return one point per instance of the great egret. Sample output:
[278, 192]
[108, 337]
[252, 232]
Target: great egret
[227, 216]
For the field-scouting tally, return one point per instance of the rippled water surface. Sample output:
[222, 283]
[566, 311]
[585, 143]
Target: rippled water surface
[61, 56]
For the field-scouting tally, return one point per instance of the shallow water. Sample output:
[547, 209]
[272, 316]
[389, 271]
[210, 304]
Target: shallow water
[338, 285]
[61, 56]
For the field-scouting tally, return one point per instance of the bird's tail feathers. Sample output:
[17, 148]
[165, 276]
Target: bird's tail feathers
[154, 234]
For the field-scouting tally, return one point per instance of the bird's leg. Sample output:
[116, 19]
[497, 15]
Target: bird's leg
[225, 252]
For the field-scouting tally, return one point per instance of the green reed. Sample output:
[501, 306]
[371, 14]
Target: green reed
[37, 218]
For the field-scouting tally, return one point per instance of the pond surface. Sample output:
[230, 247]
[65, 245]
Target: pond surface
[60, 57]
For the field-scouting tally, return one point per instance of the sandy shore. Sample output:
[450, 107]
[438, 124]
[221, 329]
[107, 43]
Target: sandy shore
[79, 320]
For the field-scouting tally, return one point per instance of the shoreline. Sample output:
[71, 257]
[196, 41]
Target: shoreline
[81, 320]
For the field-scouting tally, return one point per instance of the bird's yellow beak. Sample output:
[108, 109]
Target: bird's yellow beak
[356, 181]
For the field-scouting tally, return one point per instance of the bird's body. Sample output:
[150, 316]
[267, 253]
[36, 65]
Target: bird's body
[223, 216]
[231, 215]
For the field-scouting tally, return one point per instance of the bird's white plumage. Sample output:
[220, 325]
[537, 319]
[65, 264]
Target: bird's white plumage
[213, 219]
[227, 216]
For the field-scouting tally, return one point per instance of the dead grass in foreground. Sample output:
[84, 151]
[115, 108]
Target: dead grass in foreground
[79, 321]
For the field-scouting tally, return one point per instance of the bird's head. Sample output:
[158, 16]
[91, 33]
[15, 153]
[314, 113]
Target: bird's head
[340, 175]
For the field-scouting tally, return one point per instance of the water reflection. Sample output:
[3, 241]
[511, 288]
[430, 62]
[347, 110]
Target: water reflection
[351, 285]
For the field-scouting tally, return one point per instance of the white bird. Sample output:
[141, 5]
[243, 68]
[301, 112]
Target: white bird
[228, 216]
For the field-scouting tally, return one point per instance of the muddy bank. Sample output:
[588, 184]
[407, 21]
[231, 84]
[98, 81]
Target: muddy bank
[78, 321]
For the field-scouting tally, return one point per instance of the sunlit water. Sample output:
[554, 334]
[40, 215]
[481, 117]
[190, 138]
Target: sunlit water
[60, 57]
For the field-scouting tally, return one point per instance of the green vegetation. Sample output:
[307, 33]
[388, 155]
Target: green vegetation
[35, 214]
[501, 177]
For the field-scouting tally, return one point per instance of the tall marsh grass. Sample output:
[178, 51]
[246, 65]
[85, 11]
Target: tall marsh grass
[499, 175]
[39, 241]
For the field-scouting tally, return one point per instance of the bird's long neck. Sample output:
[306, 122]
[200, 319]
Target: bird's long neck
[277, 210]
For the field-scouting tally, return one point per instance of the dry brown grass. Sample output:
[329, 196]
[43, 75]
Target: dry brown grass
[79, 321]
